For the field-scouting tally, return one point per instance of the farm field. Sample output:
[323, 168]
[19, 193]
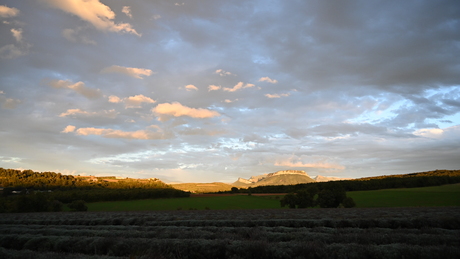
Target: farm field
[445, 195]
[301, 233]
[200, 203]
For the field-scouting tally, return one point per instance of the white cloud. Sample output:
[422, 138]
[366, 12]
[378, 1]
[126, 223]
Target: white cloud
[176, 109]
[238, 86]
[179, 4]
[68, 129]
[277, 95]
[17, 34]
[94, 12]
[137, 100]
[191, 87]
[268, 79]
[78, 87]
[214, 87]
[130, 71]
[222, 72]
[127, 10]
[152, 132]
[6, 11]
[77, 112]
[429, 133]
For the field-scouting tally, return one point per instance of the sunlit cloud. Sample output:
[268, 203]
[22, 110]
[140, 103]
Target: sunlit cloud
[214, 87]
[137, 100]
[238, 86]
[300, 164]
[130, 71]
[114, 99]
[191, 87]
[78, 87]
[68, 129]
[429, 133]
[277, 95]
[127, 10]
[12, 51]
[78, 112]
[94, 12]
[152, 132]
[176, 109]
[17, 34]
[268, 79]
[6, 11]
[222, 72]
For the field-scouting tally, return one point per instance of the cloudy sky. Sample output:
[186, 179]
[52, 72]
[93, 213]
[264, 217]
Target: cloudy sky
[208, 90]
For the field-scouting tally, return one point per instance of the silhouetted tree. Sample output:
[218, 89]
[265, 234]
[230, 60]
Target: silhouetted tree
[304, 199]
[327, 199]
[290, 200]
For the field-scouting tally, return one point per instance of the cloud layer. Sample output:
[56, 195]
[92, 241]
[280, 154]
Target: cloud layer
[205, 91]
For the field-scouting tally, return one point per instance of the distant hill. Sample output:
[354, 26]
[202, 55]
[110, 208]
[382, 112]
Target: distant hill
[286, 177]
[202, 187]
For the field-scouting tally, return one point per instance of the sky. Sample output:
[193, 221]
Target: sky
[211, 90]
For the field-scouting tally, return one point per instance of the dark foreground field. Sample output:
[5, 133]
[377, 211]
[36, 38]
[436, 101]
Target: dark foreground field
[300, 233]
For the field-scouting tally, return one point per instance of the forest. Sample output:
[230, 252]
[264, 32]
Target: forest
[29, 191]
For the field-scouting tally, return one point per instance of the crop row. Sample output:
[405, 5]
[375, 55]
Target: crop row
[221, 248]
[309, 233]
[447, 222]
[326, 235]
[154, 217]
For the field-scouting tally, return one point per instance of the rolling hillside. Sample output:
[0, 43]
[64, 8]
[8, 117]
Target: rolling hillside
[286, 177]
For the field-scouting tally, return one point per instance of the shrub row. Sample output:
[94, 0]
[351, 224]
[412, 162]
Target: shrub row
[219, 248]
[326, 235]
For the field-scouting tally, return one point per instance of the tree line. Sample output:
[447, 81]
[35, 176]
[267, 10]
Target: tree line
[331, 197]
[29, 191]
[17, 180]
[412, 180]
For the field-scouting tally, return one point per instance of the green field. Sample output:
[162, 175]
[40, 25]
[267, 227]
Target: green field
[446, 195]
[201, 203]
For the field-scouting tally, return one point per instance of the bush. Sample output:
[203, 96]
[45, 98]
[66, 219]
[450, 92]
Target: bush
[348, 202]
